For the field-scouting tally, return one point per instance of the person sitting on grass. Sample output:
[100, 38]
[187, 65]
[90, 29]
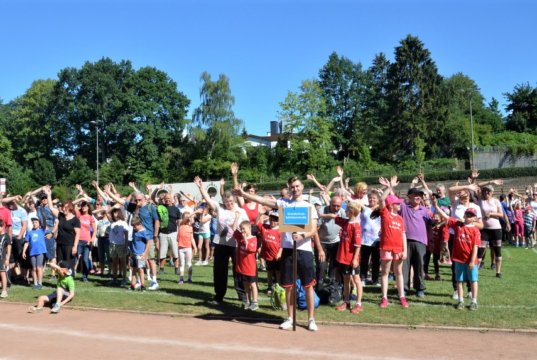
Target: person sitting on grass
[465, 245]
[35, 240]
[139, 248]
[245, 264]
[348, 255]
[65, 289]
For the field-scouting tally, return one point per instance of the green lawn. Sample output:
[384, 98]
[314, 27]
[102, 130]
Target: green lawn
[510, 302]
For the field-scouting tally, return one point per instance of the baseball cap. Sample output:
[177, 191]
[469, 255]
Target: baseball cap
[415, 191]
[392, 199]
[471, 212]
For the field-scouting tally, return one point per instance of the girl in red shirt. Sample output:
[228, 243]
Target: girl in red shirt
[392, 241]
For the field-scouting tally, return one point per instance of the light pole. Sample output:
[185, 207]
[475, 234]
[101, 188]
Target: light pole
[96, 123]
[472, 131]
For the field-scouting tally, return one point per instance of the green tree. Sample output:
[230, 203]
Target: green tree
[215, 130]
[414, 104]
[309, 130]
[522, 108]
[344, 86]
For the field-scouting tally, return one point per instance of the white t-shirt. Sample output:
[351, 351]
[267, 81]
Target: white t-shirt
[287, 237]
[224, 229]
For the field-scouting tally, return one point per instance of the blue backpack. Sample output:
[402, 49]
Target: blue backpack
[301, 297]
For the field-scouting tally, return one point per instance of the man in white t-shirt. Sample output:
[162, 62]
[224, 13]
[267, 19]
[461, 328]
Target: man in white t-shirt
[305, 264]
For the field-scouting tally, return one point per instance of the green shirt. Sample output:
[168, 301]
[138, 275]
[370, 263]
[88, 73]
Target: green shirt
[67, 283]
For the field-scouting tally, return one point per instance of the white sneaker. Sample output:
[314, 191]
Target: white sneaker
[56, 308]
[137, 286]
[287, 324]
[198, 263]
[469, 295]
[206, 262]
[455, 295]
[3, 295]
[312, 326]
[153, 286]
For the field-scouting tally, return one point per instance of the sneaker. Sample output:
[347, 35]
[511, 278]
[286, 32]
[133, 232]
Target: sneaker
[356, 309]
[420, 293]
[437, 277]
[245, 305]
[455, 295]
[3, 295]
[180, 282]
[343, 306]
[363, 283]
[56, 308]
[206, 262]
[403, 301]
[142, 288]
[493, 266]
[312, 326]
[34, 309]
[499, 275]
[460, 306]
[84, 279]
[215, 302]
[198, 263]
[428, 277]
[377, 284]
[189, 281]
[254, 306]
[137, 286]
[469, 295]
[287, 324]
[383, 303]
[153, 286]
[35, 287]
[473, 306]
[123, 283]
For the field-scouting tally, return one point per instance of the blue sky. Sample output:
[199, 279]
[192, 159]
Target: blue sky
[266, 48]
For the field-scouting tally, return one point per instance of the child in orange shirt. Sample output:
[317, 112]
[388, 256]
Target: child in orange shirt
[186, 245]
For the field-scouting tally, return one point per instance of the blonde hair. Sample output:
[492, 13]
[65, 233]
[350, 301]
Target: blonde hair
[361, 186]
[354, 207]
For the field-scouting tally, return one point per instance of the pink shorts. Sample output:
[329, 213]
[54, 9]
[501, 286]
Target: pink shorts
[390, 255]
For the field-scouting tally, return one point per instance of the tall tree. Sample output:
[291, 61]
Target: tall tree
[216, 130]
[344, 86]
[413, 100]
[309, 129]
[522, 108]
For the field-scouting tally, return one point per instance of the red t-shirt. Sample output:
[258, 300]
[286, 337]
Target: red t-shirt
[465, 238]
[270, 244]
[392, 228]
[351, 238]
[5, 214]
[245, 262]
[251, 213]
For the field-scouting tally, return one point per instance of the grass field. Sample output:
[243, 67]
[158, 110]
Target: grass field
[510, 302]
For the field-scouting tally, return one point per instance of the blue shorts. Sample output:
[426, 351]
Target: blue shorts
[464, 274]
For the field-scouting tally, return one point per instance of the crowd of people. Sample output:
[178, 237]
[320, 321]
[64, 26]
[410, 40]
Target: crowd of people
[357, 237]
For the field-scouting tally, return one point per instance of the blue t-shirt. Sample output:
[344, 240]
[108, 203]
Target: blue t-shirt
[17, 217]
[139, 239]
[147, 213]
[36, 241]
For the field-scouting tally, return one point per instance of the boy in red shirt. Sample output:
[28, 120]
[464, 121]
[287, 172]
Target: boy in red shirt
[245, 262]
[348, 255]
[466, 241]
[392, 241]
[271, 250]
